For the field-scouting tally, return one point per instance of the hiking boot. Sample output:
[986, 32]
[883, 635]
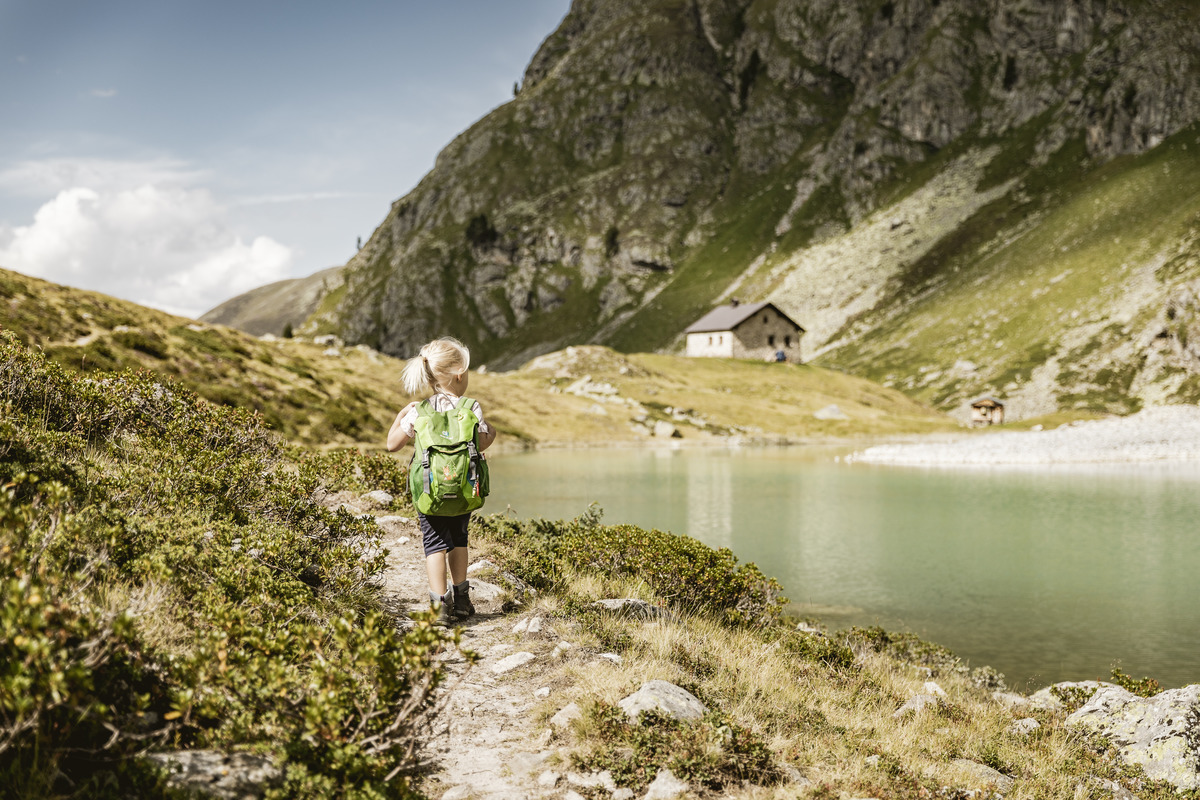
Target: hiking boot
[462, 600]
[444, 607]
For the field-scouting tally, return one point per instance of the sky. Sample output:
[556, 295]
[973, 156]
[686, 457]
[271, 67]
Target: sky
[177, 153]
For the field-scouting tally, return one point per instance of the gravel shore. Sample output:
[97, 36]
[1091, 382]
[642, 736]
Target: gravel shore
[1166, 433]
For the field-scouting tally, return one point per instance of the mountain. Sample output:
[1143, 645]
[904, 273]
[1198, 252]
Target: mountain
[271, 308]
[955, 197]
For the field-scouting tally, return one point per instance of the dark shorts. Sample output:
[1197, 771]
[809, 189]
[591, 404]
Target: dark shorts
[441, 534]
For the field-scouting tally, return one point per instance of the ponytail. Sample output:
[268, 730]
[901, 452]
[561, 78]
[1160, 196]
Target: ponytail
[438, 361]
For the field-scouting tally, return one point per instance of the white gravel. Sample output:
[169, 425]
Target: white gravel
[1166, 433]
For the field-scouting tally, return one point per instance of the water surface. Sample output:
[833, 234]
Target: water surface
[1046, 575]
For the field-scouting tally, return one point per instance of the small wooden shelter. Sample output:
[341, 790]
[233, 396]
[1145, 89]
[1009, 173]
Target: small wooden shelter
[987, 411]
[745, 330]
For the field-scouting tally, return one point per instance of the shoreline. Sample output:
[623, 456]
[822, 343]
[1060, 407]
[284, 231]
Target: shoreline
[1163, 435]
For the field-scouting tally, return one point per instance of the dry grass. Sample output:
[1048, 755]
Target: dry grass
[834, 725]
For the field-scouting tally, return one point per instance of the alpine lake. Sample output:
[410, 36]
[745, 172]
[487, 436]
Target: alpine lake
[1045, 574]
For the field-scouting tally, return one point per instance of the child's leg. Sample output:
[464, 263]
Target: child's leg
[458, 565]
[435, 570]
[438, 539]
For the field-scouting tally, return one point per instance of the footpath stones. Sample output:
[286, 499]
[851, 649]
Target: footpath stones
[666, 786]
[1161, 734]
[379, 497]
[672, 700]
[211, 773]
[563, 718]
[509, 663]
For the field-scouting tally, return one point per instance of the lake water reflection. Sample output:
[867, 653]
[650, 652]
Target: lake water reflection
[1047, 575]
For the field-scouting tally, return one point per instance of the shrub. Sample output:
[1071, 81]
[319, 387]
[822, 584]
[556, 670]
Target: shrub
[167, 577]
[1146, 687]
[689, 575]
[146, 342]
[712, 751]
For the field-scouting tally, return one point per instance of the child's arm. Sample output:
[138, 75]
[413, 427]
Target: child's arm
[396, 437]
[487, 435]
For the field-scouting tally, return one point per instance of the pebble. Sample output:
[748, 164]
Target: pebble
[613, 657]
[542, 692]
[548, 779]
[457, 793]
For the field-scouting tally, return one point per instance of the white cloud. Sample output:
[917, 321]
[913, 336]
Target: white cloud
[160, 245]
[104, 94]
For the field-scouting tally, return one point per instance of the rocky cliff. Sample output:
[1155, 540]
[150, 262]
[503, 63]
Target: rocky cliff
[950, 188]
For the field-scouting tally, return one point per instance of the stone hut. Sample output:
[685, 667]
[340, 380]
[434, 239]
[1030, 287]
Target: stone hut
[987, 411]
[745, 330]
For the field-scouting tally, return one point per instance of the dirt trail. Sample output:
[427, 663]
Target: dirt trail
[486, 741]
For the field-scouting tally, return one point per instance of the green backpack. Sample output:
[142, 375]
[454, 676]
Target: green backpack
[448, 475]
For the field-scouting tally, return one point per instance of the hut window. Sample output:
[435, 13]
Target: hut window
[710, 340]
[771, 340]
[787, 341]
[764, 319]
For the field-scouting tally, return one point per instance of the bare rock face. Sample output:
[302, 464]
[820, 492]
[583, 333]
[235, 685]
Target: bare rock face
[1161, 734]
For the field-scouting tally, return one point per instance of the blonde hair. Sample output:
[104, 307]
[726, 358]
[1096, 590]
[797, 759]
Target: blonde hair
[438, 362]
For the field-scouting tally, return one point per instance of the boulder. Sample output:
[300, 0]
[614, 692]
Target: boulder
[665, 430]
[631, 607]
[1024, 727]
[563, 718]
[1161, 734]
[379, 497]
[984, 774]
[1047, 699]
[672, 700]
[479, 566]
[211, 773]
[830, 413]
[593, 780]
[916, 704]
[665, 786]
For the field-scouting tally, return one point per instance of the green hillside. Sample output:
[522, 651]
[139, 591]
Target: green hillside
[325, 394]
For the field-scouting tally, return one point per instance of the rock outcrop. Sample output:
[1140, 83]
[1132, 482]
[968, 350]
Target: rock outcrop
[1161, 734]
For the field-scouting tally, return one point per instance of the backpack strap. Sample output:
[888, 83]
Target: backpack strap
[424, 410]
[472, 450]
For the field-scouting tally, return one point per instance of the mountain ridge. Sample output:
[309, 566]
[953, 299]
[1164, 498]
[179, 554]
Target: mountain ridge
[660, 156]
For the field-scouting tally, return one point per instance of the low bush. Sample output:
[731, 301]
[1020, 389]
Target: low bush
[713, 751]
[686, 573]
[167, 580]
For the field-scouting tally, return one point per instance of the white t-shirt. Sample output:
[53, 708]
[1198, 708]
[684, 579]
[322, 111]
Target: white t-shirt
[442, 401]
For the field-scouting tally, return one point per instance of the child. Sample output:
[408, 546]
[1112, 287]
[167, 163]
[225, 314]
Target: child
[441, 368]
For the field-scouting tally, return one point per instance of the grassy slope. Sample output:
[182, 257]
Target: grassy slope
[1044, 272]
[783, 703]
[351, 398]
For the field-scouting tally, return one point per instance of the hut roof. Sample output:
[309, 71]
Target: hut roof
[987, 402]
[728, 317]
